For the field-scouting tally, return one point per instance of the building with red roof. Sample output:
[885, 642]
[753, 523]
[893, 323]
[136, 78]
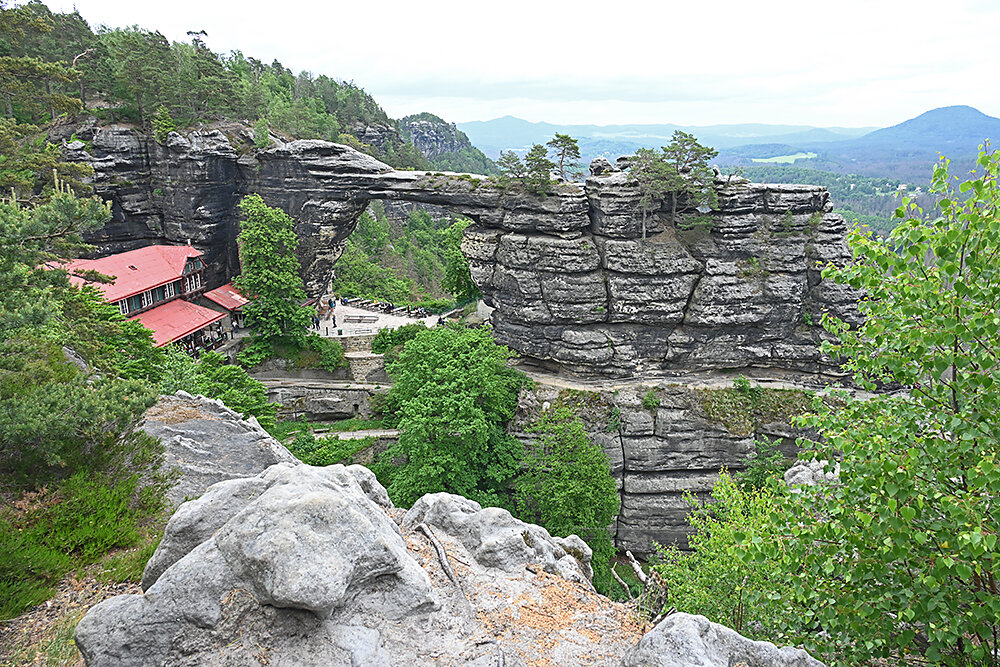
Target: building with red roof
[156, 286]
[226, 299]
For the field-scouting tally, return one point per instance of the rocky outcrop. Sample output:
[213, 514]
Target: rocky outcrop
[665, 441]
[597, 297]
[205, 442]
[307, 566]
[433, 136]
[683, 640]
[574, 280]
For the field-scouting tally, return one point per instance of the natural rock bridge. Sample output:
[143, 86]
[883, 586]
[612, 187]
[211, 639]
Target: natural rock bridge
[574, 283]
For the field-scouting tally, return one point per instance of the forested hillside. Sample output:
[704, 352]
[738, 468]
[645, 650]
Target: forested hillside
[137, 75]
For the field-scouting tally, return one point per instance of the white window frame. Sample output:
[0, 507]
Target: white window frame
[168, 290]
[147, 298]
[123, 306]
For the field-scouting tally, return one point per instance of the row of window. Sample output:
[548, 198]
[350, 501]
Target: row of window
[158, 294]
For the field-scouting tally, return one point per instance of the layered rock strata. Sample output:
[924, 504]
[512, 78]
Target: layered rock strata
[575, 281]
[666, 441]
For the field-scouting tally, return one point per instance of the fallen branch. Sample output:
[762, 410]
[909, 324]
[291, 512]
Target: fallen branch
[614, 574]
[500, 657]
[441, 554]
[636, 567]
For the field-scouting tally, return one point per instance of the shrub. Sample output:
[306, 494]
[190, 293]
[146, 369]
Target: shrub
[566, 486]
[70, 526]
[651, 400]
[213, 377]
[326, 451]
[712, 580]
[389, 339]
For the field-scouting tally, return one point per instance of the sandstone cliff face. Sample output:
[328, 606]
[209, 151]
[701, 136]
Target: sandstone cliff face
[434, 138]
[662, 449]
[574, 283]
[596, 298]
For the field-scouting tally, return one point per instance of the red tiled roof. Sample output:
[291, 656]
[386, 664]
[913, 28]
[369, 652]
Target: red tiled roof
[227, 297]
[136, 270]
[176, 319]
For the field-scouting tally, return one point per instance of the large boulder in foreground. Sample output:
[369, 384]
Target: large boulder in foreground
[205, 442]
[683, 640]
[303, 565]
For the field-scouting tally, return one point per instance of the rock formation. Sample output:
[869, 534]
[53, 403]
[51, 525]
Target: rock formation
[313, 566]
[573, 282]
[683, 640]
[433, 136]
[205, 442]
[664, 449]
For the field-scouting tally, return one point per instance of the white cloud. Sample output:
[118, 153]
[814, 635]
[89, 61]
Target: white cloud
[854, 62]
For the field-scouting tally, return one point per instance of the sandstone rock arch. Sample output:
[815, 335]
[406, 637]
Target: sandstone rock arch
[573, 283]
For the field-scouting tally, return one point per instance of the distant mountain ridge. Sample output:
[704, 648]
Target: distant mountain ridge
[511, 133]
[905, 151]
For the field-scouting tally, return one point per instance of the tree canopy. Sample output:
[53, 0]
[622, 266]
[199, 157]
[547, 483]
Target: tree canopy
[269, 275]
[681, 170]
[567, 152]
[453, 394]
[900, 557]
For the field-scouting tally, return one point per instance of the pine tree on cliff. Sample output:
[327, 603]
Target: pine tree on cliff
[539, 168]
[691, 174]
[567, 152]
[511, 169]
[653, 175]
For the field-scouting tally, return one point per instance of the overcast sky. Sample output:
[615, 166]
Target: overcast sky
[697, 62]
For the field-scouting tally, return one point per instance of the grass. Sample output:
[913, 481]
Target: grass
[742, 408]
[127, 566]
[49, 533]
[56, 649]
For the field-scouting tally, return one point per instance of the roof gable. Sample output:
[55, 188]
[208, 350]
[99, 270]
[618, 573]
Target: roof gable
[136, 271]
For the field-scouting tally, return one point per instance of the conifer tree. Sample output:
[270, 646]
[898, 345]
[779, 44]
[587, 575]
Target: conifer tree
[567, 152]
[539, 169]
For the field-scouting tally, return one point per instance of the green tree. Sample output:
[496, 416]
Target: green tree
[452, 395]
[30, 85]
[900, 558]
[567, 152]
[566, 484]
[654, 178]
[690, 173]
[163, 124]
[270, 274]
[511, 169]
[538, 169]
[457, 276]
[262, 134]
[709, 577]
